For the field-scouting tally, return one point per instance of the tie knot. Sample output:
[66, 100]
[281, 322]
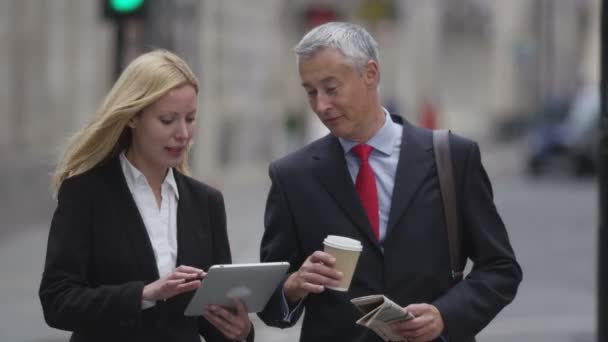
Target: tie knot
[362, 151]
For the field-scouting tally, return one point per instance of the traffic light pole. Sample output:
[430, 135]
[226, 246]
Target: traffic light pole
[602, 318]
[119, 48]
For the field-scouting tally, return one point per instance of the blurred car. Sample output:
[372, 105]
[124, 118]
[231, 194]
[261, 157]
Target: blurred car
[571, 135]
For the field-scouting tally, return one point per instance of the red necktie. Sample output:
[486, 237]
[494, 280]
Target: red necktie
[366, 187]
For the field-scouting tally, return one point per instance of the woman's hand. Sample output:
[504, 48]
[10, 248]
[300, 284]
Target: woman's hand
[235, 325]
[182, 279]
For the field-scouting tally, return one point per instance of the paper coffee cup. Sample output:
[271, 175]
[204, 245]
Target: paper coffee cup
[346, 251]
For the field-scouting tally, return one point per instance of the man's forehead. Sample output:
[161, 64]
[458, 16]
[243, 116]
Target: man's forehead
[322, 71]
[324, 81]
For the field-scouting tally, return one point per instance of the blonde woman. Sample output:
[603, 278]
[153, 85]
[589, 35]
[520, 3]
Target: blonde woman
[132, 233]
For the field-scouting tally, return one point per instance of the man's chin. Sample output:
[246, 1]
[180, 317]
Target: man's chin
[343, 134]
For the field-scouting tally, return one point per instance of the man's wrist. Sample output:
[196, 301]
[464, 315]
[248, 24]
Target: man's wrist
[292, 294]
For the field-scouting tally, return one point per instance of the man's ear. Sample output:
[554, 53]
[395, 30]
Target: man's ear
[371, 73]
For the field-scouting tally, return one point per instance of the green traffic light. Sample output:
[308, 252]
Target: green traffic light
[125, 6]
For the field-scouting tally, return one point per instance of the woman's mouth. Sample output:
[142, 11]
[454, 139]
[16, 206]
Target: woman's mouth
[175, 151]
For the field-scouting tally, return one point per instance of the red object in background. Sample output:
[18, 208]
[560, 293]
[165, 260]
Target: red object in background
[429, 116]
[318, 15]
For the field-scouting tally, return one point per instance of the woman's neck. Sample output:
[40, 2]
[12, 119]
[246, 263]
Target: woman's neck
[154, 176]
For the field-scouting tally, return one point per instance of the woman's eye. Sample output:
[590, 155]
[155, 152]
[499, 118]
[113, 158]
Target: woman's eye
[166, 121]
[190, 120]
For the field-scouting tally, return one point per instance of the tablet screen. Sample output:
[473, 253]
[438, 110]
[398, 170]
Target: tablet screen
[252, 283]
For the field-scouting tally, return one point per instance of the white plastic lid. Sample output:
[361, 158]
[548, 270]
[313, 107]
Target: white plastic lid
[342, 242]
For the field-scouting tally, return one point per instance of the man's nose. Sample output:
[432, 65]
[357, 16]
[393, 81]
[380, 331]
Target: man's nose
[323, 103]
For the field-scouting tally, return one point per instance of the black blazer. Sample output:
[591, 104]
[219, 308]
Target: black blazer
[99, 258]
[312, 195]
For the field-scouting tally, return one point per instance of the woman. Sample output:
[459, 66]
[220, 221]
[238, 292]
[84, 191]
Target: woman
[128, 214]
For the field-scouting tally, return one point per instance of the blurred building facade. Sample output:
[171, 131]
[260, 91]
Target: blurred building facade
[54, 66]
[477, 61]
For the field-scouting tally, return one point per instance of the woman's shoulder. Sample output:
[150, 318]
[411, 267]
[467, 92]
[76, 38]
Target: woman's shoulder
[87, 181]
[191, 184]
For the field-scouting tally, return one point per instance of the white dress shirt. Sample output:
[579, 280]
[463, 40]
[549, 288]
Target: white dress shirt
[384, 158]
[161, 223]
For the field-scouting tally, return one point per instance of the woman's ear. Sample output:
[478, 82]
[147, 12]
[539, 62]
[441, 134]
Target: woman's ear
[133, 121]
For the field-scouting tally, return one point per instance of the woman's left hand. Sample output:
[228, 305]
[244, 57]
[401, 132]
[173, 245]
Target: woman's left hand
[234, 325]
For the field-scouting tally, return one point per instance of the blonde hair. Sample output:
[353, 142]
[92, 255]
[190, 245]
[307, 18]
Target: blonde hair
[145, 80]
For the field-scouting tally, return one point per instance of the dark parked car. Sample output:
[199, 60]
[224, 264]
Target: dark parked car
[567, 131]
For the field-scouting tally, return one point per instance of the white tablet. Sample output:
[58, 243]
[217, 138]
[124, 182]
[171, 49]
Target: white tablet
[252, 283]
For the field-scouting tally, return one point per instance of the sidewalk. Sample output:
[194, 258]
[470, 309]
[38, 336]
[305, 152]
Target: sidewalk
[25, 185]
[551, 222]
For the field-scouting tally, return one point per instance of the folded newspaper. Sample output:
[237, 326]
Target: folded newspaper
[378, 312]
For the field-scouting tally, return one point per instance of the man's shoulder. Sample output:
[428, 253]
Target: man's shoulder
[462, 148]
[424, 136]
[461, 142]
[301, 156]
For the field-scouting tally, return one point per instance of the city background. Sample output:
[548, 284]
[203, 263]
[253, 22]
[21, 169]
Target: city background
[518, 76]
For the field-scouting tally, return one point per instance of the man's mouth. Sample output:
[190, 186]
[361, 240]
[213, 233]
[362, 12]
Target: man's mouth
[332, 119]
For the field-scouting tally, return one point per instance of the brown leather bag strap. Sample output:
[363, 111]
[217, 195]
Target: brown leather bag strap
[443, 160]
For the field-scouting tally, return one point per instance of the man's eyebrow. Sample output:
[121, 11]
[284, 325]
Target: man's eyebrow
[328, 79]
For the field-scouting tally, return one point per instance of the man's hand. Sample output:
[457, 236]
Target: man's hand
[426, 326]
[182, 279]
[316, 272]
[235, 325]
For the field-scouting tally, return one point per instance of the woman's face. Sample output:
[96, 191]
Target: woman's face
[162, 131]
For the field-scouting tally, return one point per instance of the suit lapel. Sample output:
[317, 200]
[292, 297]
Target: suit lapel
[331, 171]
[187, 240]
[131, 220]
[415, 163]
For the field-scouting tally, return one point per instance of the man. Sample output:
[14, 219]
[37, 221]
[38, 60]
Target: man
[315, 193]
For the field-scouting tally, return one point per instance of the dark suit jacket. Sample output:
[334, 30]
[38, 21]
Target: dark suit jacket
[312, 195]
[99, 258]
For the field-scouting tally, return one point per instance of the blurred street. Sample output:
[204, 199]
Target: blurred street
[552, 224]
[494, 71]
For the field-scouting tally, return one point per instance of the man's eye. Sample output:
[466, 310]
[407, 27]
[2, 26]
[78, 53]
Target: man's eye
[311, 92]
[190, 120]
[331, 90]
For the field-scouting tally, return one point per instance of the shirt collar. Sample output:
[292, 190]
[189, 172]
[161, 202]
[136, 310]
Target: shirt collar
[170, 180]
[383, 140]
[134, 177]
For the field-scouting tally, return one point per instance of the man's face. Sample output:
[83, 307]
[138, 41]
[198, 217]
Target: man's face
[341, 96]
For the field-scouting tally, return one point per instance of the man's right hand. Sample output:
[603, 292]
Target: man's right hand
[316, 272]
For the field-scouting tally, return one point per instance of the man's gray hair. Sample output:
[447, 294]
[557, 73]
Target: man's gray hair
[353, 41]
